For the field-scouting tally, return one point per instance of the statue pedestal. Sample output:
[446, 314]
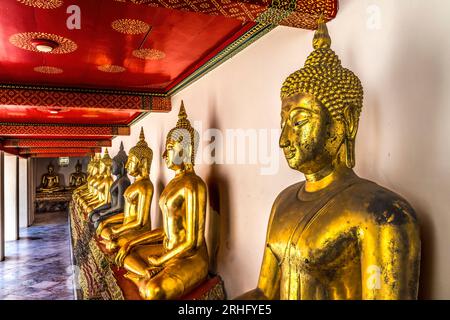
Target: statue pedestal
[52, 201]
[97, 278]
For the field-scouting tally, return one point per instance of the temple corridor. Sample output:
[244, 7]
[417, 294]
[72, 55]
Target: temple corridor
[37, 266]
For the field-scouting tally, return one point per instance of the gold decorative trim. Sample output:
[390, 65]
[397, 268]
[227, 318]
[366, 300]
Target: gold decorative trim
[149, 54]
[48, 70]
[130, 26]
[111, 68]
[42, 4]
[23, 41]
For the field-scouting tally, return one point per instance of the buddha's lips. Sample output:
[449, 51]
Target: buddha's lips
[289, 154]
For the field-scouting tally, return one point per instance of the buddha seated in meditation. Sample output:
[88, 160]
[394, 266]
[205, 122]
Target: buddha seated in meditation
[138, 197]
[336, 235]
[102, 186]
[77, 178]
[87, 191]
[117, 191]
[50, 181]
[167, 263]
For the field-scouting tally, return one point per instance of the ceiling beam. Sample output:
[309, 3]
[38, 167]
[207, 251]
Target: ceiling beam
[293, 13]
[24, 151]
[58, 130]
[54, 143]
[57, 155]
[63, 98]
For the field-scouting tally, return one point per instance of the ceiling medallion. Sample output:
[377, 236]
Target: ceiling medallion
[111, 68]
[48, 70]
[26, 40]
[42, 4]
[130, 26]
[149, 54]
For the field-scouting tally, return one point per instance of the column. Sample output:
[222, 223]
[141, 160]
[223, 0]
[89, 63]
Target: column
[10, 197]
[2, 207]
[23, 193]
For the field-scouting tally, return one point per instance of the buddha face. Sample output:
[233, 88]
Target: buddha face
[310, 137]
[115, 169]
[102, 168]
[50, 169]
[133, 165]
[175, 154]
[95, 170]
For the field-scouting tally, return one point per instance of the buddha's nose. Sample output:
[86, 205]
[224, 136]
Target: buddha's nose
[284, 141]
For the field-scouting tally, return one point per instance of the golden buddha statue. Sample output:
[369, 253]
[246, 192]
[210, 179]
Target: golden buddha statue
[335, 235]
[168, 263]
[89, 192]
[138, 198]
[50, 181]
[84, 187]
[103, 184]
[78, 177]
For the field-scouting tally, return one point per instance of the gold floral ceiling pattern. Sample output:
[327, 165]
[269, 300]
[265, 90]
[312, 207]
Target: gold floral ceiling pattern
[42, 4]
[111, 68]
[130, 26]
[23, 41]
[149, 54]
[48, 69]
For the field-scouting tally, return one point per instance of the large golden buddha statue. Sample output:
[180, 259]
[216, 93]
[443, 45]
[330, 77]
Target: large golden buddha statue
[78, 177]
[103, 185]
[335, 235]
[168, 263]
[50, 181]
[138, 198]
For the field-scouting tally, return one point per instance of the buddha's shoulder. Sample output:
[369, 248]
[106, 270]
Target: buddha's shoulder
[194, 180]
[289, 192]
[377, 203]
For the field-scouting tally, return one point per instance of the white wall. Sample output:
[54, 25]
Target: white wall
[10, 198]
[400, 51]
[23, 193]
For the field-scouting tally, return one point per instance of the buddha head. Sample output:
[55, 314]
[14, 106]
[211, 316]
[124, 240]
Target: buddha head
[105, 163]
[95, 164]
[181, 143]
[50, 168]
[321, 104]
[119, 161]
[139, 158]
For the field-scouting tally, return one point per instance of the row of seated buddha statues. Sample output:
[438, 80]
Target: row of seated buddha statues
[332, 236]
[163, 263]
[50, 181]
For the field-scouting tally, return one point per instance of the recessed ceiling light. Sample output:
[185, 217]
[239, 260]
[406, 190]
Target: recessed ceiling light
[44, 45]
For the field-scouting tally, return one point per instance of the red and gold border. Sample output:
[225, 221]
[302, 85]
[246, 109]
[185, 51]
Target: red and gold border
[292, 13]
[58, 130]
[44, 143]
[49, 97]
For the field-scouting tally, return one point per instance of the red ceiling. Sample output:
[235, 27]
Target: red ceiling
[187, 40]
[184, 37]
[55, 115]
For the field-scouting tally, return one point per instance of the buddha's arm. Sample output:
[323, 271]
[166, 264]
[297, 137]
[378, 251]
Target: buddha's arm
[390, 258]
[144, 202]
[149, 237]
[118, 218]
[192, 225]
[120, 201]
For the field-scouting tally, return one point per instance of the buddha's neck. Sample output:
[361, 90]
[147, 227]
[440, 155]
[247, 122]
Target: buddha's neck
[320, 180]
[184, 169]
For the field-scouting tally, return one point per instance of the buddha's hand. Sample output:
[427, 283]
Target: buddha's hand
[122, 254]
[153, 271]
[154, 261]
[100, 228]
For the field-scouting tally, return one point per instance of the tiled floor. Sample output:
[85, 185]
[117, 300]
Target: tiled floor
[38, 265]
